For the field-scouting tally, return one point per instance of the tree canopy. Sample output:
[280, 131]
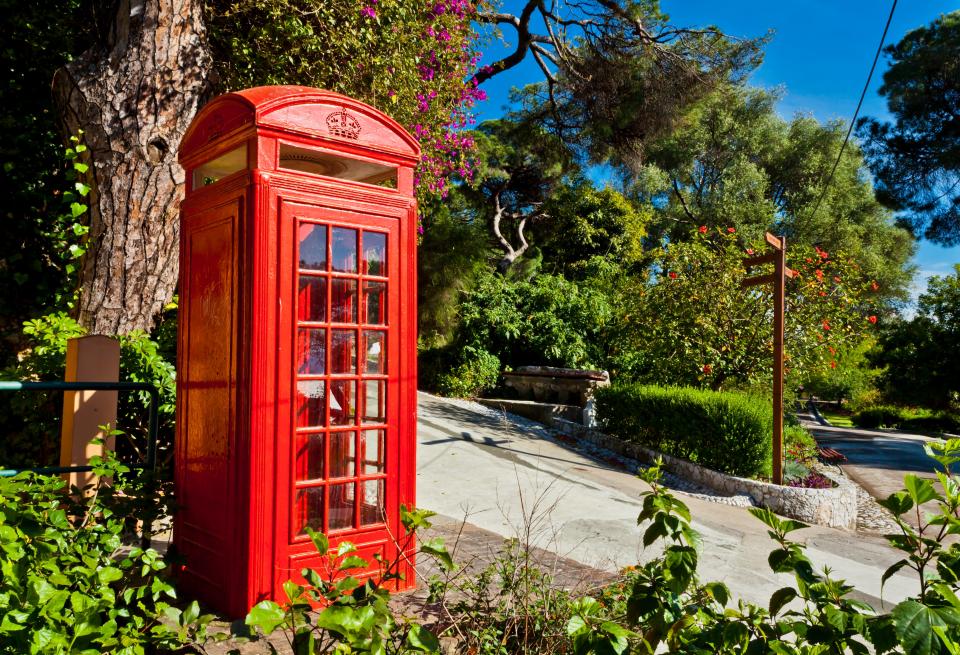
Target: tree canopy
[916, 156]
[732, 161]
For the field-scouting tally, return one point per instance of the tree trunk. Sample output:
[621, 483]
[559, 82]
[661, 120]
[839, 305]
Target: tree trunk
[133, 99]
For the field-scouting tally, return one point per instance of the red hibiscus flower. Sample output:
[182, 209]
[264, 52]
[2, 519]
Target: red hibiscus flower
[749, 251]
[874, 286]
[672, 275]
[703, 229]
[707, 369]
[872, 319]
[731, 230]
[826, 325]
[833, 364]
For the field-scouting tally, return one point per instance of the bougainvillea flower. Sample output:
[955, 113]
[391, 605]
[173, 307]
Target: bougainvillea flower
[703, 229]
[819, 274]
[872, 319]
[826, 325]
[833, 364]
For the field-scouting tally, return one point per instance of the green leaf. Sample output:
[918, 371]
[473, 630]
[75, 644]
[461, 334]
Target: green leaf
[320, 541]
[352, 562]
[898, 503]
[422, 640]
[266, 615]
[920, 490]
[780, 598]
[109, 574]
[914, 625]
[436, 548]
[891, 571]
[77, 209]
[718, 591]
[292, 590]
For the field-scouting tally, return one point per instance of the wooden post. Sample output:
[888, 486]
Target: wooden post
[779, 288]
[89, 359]
[779, 277]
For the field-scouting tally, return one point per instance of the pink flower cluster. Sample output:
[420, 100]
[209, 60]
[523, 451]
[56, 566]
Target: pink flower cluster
[448, 62]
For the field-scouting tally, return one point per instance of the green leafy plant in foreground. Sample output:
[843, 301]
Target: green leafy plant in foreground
[355, 615]
[69, 583]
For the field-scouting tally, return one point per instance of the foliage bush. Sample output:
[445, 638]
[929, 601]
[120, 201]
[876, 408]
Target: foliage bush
[69, 583]
[355, 616]
[726, 431]
[29, 421]
[546, 320]
[477, 373]
[904, 418]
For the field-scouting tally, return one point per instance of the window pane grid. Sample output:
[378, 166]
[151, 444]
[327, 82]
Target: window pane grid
[341, 327]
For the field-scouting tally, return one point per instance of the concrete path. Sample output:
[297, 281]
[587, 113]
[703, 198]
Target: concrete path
[878, 459]
[513, 478]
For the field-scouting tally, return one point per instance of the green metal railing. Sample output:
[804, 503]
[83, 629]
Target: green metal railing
[151, 462]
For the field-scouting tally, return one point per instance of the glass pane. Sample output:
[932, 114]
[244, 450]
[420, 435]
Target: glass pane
[343, 351]
[374, 401]
[310, 457]
[310, 403]
[342, 454]
[371, 509]
[343, 308]
[343, 402]
[376, 351]
[341, 506]
[312, 300]
[374, 253]
[311, 351]
[372, 449]
[309, 512]
[375, 302]
[344, 250]
[313, 247]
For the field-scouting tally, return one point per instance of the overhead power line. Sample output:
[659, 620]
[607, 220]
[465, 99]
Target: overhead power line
[853, 121]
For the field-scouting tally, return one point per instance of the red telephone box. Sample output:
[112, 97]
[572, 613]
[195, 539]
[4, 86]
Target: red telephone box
[296, 388]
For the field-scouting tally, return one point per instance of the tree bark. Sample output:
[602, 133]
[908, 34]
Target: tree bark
[134, 98]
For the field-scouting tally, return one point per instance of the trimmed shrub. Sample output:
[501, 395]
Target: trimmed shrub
[879, 416]
[889, 416]
[727, 431]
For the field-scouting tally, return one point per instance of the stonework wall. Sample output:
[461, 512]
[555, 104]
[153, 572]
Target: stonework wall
[835, 508]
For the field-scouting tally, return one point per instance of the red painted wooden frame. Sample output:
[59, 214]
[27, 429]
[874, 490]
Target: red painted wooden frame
[277, 340]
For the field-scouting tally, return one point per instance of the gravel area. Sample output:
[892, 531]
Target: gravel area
[871, 517]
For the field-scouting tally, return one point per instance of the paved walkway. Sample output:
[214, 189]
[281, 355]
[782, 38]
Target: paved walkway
[878, 460]
[511, 477]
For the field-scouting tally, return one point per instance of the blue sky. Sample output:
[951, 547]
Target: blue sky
[819, 57]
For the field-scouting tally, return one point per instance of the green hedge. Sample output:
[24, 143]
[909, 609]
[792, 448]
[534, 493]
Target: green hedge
[727, 431]
[903, 418]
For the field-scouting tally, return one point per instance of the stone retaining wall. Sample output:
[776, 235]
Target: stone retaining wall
[835, 508]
